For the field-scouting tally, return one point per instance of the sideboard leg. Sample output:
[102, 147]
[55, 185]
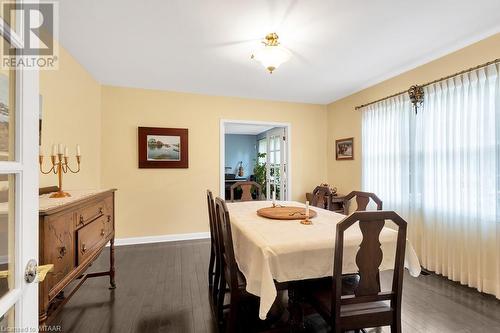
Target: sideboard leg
[42, 319]
[112, 263]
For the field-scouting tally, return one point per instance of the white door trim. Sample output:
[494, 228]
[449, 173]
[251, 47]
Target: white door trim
[27, 317]
[222, 149]
[24, 296]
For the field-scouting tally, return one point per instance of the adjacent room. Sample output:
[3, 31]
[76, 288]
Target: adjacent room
[265, 166]
[255, 155]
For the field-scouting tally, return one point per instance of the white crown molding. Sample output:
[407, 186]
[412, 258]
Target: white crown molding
[160, 238]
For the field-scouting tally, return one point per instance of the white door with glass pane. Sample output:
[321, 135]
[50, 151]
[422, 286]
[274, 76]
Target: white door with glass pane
[276, 162]
[19, 105]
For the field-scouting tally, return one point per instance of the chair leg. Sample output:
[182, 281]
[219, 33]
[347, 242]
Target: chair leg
[233, 317]
[216, 283]
[220, 299]
[396, 327]
[211, 268]
[396, 320]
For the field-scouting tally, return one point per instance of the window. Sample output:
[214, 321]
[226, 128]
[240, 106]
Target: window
[440, 170]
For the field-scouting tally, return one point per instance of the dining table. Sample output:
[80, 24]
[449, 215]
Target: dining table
[270, 250]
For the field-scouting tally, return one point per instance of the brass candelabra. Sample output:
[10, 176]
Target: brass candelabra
[60, 165]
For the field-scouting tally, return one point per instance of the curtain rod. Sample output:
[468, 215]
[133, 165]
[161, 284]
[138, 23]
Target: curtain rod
[432, 82]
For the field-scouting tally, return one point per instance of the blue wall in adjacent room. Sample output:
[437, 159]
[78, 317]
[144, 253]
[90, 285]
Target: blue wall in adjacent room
[241, 148]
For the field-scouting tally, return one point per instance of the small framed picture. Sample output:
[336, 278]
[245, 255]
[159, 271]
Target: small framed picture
[163, 147]
[344, 149]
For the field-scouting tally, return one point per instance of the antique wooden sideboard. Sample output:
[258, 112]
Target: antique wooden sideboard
[73, 232]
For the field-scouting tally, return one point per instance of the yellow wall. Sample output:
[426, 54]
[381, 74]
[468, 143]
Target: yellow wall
[172, 201]
[344, 121]
[71, 108]
[104, 121]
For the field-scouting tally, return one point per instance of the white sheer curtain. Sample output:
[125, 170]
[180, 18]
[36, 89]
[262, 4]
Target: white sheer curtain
[386, 151]
[453, 198]
[456, 179]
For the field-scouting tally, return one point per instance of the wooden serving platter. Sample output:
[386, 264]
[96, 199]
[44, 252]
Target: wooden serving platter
[285, 213]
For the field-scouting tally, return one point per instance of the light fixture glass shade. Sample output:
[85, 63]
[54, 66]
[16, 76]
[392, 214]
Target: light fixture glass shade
[272, 56]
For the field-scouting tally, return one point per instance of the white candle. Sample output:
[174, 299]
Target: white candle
[66, 152]
[307, 209]
[78, 150]
[54, 150]
[61, 148]
[274, 198]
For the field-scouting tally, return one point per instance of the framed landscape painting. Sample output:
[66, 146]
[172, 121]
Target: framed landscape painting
[163, 147]
[344, 149]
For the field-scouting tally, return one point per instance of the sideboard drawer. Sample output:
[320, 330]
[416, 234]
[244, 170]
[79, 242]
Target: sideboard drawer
[94, 211]
[91, 237]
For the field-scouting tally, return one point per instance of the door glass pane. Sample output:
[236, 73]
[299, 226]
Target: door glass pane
[262, 150]
[7, 114]
[7, 323]
[278, 191]
[7, 224]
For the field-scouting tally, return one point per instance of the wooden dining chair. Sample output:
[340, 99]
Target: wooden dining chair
[362, 200]
[368, 306]
[321, 197]
[214, 265]
[231, 276]
[246, 188]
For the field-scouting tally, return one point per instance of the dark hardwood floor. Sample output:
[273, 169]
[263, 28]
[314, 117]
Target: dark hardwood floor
[163, 288]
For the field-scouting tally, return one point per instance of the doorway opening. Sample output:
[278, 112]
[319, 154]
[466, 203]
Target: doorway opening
[256, 151]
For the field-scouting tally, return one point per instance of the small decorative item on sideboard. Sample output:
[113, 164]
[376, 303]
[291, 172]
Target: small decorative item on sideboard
[59, 159]
[241, 171]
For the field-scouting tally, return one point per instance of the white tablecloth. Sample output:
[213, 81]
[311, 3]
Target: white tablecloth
[268, 250]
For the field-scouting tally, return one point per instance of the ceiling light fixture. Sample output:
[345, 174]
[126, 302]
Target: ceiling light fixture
[271, 55]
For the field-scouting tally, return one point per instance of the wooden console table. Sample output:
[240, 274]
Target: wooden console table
[73, 232]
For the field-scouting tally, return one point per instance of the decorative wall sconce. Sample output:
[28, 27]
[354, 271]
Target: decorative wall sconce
[416, 96]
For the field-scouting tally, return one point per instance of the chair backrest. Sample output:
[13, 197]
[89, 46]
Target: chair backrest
[362, 200]
[368, 260]
[246, 188]
[211, 216]
[322, 197]
[226, 244]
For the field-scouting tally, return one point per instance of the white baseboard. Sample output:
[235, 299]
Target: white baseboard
[161, 238]
[4, 259]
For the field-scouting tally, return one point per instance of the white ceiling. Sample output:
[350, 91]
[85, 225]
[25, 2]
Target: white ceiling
[246, 129]
[200, 46]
